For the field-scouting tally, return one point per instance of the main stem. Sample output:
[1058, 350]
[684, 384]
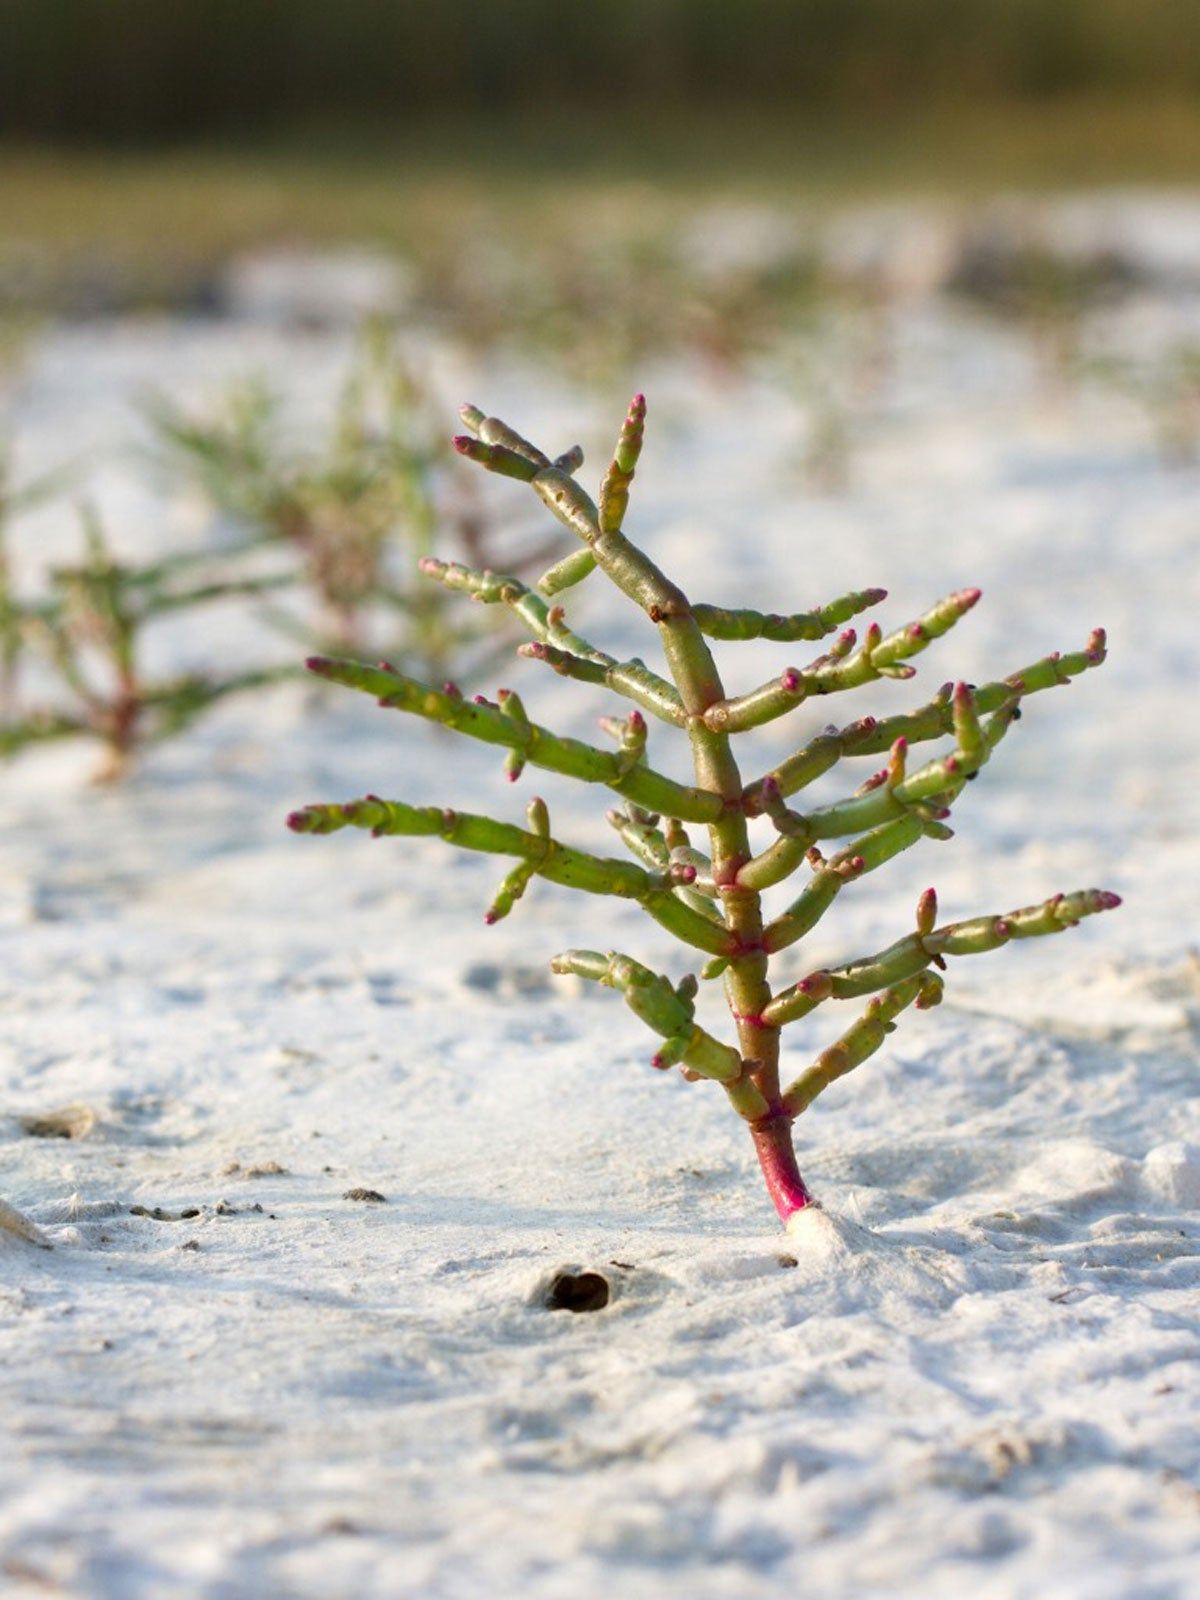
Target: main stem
[123, 717]
[757, 1096]
[746, 985]
[777, 1158]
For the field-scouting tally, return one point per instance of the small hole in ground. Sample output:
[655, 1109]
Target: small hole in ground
[578, 1291]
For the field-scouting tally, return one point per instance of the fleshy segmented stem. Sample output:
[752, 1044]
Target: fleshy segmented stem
[669, 1013]
[711, 900]
[718, 622]
[871, 736]
[575, 869]
[844, 667]
[556, 644]
[929, 946]
[541, 748]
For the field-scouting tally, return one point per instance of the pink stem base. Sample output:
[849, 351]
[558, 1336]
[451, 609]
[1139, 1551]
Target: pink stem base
[777, 1157]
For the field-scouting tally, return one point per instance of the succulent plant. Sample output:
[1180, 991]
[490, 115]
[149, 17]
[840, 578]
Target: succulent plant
[88, 631]
[711, 899]
[354, 508]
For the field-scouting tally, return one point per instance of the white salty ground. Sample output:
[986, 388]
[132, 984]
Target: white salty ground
[975, 1372]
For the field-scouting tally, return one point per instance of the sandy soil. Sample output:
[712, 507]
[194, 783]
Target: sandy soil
[974, 1373]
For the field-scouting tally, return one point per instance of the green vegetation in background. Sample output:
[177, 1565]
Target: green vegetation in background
[355, 509]
[158, 224]
[322, 536]
[142, 71]
[88, 632]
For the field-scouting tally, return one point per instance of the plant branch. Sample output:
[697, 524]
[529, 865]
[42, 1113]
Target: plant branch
[480, 720]
[876, 657]
[872, 736]
[559, 863]
[556, 644]
[699, 684]
[861, 1039]
[927, 945]
[662, 1007]
[720, 622]
[901, 810]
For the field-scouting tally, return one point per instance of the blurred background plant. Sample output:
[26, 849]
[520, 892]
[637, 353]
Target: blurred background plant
[357, 508]
[532, 164]
[351, 510]
[87, 636]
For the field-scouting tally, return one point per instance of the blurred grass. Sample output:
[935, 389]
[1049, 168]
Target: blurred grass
[145, 72]
[428, 188]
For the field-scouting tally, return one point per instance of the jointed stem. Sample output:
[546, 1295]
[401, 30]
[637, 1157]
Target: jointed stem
[538, 745]
[929, 945]
[547, 857]
[718, 622]
[699, 685]
[712, 901]
[556, 644]
[871, 736]
[667, 1010]
[912, 806]
[877, 657]
[861, 1040]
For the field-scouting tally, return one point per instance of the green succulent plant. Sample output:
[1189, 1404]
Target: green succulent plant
[353, 508]
[710, 897]
[88, 631]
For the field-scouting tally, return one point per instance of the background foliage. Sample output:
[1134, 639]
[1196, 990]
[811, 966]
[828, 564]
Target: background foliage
[146, 71]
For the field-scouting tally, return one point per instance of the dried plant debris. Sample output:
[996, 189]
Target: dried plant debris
[67, 1122]
[710, 895]
[12, 1221]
